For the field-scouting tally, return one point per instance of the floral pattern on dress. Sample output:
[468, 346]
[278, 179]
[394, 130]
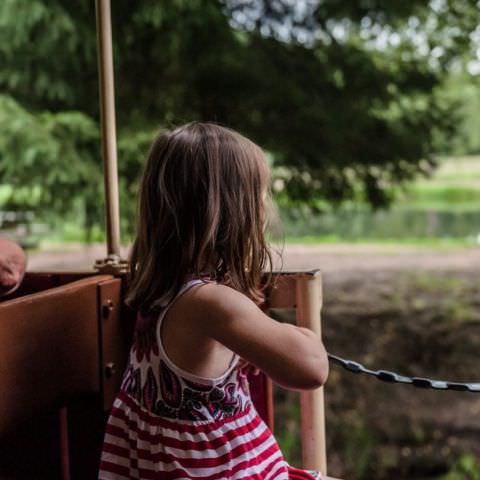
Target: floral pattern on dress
[163, 392]
[172, 396]
[170, 386]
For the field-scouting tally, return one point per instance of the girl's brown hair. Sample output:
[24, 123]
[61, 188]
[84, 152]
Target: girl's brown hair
[202, 210]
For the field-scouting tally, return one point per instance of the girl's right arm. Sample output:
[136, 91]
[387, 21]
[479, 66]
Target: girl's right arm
[291, 356]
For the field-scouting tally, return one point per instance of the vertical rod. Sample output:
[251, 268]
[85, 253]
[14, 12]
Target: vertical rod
[64, 444]
[107, 116]
[309, 304]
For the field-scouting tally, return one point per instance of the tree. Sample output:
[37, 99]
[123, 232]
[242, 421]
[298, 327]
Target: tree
[344, 112]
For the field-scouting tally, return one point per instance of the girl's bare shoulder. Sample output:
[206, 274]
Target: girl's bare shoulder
[214, 298]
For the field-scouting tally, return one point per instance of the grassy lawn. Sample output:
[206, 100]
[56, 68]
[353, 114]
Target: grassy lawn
[455, 184]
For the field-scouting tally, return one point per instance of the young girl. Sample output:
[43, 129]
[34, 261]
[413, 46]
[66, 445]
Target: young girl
[184, 409]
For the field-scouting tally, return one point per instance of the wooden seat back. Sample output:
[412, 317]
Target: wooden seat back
[64, 341]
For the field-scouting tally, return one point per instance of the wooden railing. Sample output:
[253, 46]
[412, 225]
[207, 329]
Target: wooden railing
[302, 291]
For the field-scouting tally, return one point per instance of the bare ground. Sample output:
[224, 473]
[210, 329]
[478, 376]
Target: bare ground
[328, 258]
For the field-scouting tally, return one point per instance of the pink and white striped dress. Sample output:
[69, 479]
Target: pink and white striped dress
[167, 423]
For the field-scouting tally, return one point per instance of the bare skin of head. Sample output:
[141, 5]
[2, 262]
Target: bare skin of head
[12, 266]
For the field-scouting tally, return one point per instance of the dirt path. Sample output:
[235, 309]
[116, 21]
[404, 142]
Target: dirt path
[328, 258]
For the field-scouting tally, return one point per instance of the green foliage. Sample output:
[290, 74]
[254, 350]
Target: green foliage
[344, 116]
[288, 422]
[465, 90]
[50, 160]
[360, 443]
[466, 467]
[132, 149]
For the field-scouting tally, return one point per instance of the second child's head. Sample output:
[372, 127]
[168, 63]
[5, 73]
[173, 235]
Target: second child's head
[202, 211]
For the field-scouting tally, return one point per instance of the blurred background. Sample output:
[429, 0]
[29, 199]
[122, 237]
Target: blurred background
[369, 112]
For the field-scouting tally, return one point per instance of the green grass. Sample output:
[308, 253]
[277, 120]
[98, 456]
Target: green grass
[456, 180]
[458, 166]
[438, 204]
[437, 243]
[426, 281]
[441, 193]
[467, 467]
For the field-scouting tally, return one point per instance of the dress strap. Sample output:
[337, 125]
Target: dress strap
[163, 354]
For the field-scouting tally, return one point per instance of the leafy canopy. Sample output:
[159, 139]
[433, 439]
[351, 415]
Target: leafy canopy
[345, 94]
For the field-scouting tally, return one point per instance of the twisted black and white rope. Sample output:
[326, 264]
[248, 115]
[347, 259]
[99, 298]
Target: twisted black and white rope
[392, 377]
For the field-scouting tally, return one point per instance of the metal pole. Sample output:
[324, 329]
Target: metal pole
[107, 112]
[64, 443]
[309, 304]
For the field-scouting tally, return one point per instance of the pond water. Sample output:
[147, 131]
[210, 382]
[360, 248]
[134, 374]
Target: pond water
[397, 223]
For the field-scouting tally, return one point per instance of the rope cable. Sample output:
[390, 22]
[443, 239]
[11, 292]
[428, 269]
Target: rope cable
[393, 377]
